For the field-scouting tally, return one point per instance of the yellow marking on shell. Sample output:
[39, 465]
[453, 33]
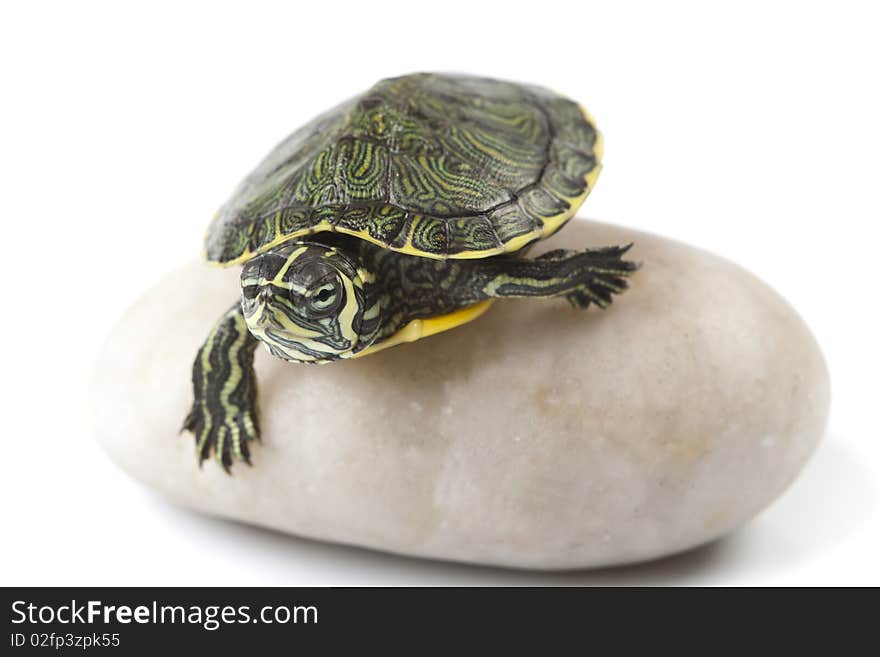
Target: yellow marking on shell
[247, 254]
[550, 224]
[494, 152]
[366, 161]
[411, 230]
[422, 328]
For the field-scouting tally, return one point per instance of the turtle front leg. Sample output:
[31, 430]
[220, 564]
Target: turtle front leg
[582, 277]
[224, 416]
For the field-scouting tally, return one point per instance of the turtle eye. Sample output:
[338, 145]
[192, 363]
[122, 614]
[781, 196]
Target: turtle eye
[323, 299]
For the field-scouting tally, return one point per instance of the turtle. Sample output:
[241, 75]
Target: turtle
[403, 212]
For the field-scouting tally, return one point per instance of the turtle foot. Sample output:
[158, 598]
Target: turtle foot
[225, 437]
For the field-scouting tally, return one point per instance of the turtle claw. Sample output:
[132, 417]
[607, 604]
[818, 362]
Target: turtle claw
[227, 442]
[605, 273]
[581, 299]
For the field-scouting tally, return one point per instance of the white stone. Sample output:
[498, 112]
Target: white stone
[538, 436]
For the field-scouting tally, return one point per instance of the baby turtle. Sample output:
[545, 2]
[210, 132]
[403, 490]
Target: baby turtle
[399, 214]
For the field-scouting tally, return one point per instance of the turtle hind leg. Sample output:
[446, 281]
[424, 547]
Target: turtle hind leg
[224, 418]
[585, 277]
[602, 273]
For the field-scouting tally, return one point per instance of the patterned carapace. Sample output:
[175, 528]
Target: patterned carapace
[430, 165]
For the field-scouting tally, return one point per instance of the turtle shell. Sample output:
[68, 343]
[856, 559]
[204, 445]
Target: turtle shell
[440, 166]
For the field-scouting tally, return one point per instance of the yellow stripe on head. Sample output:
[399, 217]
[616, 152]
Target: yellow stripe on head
[305, 302]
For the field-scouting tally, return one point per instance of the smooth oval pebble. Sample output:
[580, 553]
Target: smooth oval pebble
[537, 436]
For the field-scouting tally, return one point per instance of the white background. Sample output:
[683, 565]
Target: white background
[749, 129]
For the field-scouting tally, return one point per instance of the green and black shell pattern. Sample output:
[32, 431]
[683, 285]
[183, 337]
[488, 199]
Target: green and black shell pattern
[439, 166]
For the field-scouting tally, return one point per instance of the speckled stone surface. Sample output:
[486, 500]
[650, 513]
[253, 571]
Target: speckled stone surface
[536, 437]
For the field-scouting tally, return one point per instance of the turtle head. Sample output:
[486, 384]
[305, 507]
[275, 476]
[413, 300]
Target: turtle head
[307, 302]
